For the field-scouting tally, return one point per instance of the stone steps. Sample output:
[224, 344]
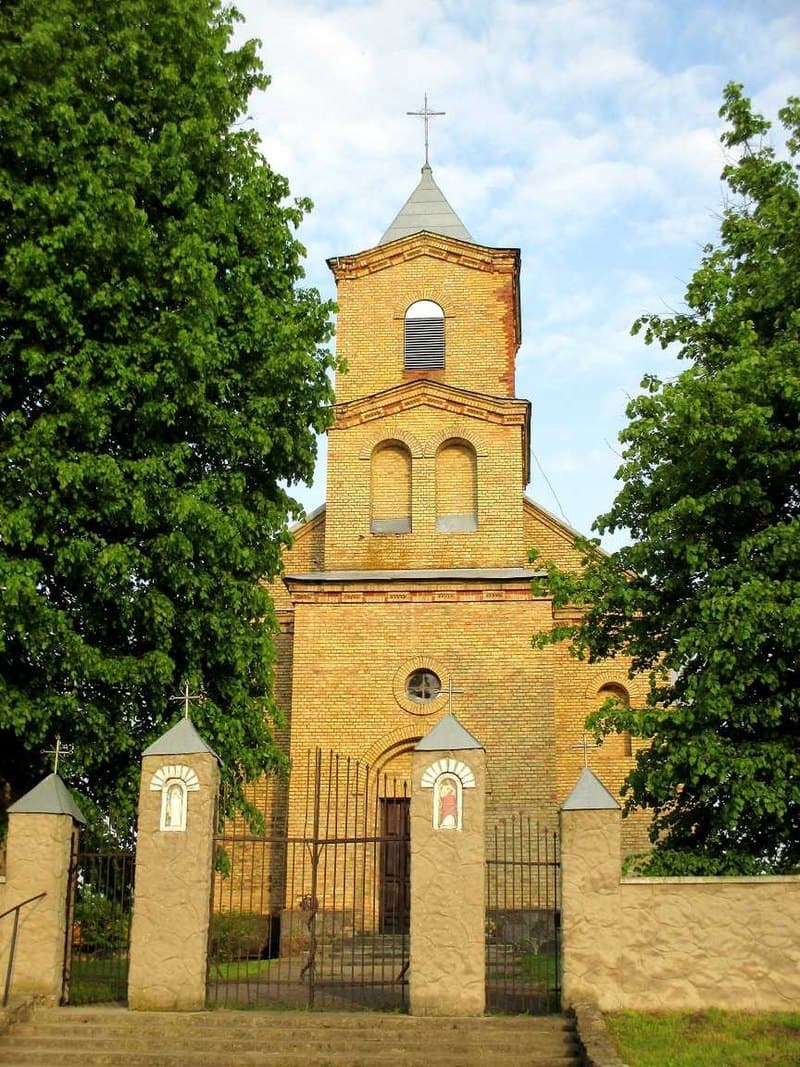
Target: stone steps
[112, 1035]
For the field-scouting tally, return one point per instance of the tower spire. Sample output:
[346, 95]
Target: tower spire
[425, 114]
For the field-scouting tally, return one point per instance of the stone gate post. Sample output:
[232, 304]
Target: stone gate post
[448, 905]
[590, 888]
[172, 893]
[42, 837]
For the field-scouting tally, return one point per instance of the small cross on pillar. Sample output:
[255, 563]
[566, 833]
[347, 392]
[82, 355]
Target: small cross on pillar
[186, 697]
[57, 752]
[451, 692]
[586, 745]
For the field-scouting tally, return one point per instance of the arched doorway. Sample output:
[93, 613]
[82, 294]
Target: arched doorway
[393, 771]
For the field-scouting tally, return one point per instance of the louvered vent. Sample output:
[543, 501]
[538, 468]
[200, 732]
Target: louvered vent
[424, 343]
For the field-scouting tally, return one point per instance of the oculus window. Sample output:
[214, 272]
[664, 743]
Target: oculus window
[423, 685]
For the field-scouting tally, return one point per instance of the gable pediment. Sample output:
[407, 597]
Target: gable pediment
[425, 243]
[390, 403]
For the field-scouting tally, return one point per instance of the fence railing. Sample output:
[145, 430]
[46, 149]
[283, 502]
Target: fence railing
[13, 946]
[99, 907]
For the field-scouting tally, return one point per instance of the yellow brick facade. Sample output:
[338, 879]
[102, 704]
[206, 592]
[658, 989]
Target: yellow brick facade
[364, 602]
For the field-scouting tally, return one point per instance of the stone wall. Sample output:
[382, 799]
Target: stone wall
[672, 943]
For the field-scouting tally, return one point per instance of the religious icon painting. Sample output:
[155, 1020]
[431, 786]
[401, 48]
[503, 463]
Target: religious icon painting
[447, 807]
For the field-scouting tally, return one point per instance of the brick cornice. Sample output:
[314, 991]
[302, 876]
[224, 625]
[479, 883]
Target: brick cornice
[304, 590]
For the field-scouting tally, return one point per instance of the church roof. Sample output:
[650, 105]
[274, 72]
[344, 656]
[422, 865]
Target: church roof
[426, 209]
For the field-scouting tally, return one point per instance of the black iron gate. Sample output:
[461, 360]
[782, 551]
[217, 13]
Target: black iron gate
[523, 926]
[314, 912]
[99, 904]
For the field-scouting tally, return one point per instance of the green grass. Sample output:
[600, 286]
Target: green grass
[233, 969]
[542, 968]
[98, 981]
[706, 1039]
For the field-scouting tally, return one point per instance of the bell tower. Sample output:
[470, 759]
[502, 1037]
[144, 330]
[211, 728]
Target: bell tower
[428, 455]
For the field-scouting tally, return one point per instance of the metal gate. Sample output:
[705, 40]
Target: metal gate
[314, 912]
[99, 903]
[523, 920]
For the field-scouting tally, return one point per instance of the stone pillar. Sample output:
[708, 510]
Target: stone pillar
[42, 836]
[448, 873]
[174, 854]
[590, 895]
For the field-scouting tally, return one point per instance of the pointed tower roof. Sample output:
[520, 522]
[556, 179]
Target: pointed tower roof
[426, 209]
[49, 797]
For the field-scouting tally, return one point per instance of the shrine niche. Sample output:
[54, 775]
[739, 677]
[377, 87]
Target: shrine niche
[175, 782]
[448, 778]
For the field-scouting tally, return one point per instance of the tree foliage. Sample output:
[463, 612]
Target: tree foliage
[163, 381]
[706, 598]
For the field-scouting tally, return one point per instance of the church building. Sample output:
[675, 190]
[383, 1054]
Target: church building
[408, 595]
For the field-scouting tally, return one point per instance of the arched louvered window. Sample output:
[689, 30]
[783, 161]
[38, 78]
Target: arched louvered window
[456, 488]
[390, 495]
[423, 345]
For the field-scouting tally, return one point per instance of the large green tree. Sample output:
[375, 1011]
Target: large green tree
[163, 378]
[706, 597]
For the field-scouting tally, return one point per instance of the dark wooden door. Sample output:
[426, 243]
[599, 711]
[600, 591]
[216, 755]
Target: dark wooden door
[395, 863]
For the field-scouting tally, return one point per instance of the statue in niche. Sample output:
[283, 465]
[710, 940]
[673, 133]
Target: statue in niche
[447, 810]
[175, 782]
[173, 808]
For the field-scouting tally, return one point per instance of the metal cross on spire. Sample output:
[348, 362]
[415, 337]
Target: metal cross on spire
[187, 698]
[426, 114]
[57, 752]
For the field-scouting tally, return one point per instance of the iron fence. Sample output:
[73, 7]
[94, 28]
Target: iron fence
[314, 912]
[523, 925]
[99, 904]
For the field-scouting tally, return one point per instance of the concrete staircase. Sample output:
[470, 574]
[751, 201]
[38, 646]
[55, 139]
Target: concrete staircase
[113, 1035]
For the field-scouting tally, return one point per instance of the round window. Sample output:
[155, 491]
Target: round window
[423, 685]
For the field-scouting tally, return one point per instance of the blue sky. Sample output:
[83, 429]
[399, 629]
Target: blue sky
[583, 132]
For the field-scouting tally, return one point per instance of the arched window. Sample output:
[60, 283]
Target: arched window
[390, 474]
[456, 488]
[620, 694]
[423, 340]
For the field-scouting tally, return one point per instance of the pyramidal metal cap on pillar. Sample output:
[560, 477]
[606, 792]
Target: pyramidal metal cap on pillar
[49, 797]
[589, 794]
[180, 739]
[448, 735]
